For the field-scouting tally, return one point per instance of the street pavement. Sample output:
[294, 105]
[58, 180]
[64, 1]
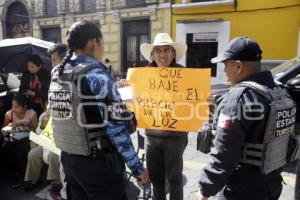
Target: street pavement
[194, 161]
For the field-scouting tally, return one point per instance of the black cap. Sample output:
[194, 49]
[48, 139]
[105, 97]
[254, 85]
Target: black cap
[240, 48]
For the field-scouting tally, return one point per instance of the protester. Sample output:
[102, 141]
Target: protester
[243, 159]
[165, 148]
[35, 83]
[92, 155]
[18, 120]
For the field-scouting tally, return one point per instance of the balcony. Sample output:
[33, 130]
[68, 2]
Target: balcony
[135, 3]
[117, 4]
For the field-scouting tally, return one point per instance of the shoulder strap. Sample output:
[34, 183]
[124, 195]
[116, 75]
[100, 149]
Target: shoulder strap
[82, 68]
[260, 89]
[55, 73]
[54, 69]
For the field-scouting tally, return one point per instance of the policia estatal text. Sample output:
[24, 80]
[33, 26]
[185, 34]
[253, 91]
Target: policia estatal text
[249, 149]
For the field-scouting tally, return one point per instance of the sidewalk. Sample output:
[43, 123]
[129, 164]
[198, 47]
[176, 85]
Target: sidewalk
[194, 161]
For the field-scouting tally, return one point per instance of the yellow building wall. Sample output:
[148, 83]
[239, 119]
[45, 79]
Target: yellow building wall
[253, 4]
[262, 4]
[274, 24]
[162, 23]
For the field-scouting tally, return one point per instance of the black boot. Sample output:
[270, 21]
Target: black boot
[18, 181]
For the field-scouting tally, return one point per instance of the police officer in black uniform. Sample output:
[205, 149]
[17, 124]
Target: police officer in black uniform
[241, 117]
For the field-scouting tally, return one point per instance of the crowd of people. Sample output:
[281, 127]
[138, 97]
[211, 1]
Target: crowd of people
[29, 113]
[93, 157]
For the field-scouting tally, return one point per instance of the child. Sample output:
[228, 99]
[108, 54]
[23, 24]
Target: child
[20, 114]
[18, 120]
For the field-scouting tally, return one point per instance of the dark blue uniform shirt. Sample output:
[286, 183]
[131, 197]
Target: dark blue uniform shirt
[236, 121]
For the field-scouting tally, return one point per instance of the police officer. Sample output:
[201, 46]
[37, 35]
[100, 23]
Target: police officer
[91, 133]
[245, 118]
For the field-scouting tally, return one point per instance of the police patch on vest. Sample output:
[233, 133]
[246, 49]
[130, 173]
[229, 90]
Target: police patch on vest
[285, 123]
[60, 102]
[224, 121]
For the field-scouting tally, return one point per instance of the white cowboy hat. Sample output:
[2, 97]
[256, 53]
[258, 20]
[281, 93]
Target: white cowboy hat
[162, 39]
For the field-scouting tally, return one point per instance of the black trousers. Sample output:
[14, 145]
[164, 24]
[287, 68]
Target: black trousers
[265, 190]
[164, 161]
[90, 178]
[15, 155]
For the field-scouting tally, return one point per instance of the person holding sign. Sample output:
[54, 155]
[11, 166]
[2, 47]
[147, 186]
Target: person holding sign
[165, 148]
[87, 122]
[252, 127]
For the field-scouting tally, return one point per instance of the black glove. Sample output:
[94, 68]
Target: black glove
[204, 139]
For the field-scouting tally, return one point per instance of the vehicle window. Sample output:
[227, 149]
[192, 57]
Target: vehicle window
[1, 81]
[2, 85]
[284, 66]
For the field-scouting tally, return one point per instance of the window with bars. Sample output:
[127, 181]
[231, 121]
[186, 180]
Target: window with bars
[134, 33]
[51, 8]
[135, 3]
[202, 47]
[195, 1]
[17, 22]
[88, 5]
[116, 3]
[63, 6]
[51, 34]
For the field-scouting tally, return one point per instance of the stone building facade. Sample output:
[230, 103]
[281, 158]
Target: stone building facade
[125, 24]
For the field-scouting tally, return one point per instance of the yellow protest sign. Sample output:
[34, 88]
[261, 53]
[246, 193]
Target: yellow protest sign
[170, 98]
[45, 138]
